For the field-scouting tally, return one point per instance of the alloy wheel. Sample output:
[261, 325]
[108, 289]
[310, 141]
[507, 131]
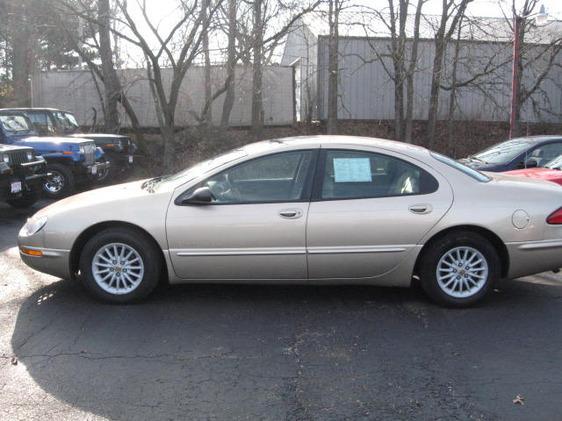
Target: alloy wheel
[118, 268]
[462, 272]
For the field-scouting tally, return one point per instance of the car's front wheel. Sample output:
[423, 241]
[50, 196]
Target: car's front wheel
[120, 265]
[458, 269]
[60, 182]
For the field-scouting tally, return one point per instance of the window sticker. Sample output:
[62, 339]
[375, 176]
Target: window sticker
[352, 170]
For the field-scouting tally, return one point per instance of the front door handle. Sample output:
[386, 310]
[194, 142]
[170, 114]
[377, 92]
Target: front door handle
[420, 209]
[291, 213]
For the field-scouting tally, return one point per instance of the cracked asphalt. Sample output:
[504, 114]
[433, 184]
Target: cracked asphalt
[273, 352]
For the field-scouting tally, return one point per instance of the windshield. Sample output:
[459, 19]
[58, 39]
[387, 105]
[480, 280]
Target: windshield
[67, 122]
[503, 152]
[15, 124]
[555, 164]
[477, 175]
[196, 170]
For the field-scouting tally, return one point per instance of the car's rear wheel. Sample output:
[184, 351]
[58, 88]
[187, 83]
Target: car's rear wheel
[59, 183]
[458, 270]
[120, 265]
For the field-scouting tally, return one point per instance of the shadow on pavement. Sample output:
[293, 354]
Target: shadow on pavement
[231, 352]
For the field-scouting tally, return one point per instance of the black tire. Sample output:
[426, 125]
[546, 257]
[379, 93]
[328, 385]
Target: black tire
[106, 175]
[27, 200]
[150, 255]
[439, 248]
[64, 174]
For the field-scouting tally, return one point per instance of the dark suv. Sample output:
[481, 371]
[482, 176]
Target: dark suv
[118, 149]
[22, 173]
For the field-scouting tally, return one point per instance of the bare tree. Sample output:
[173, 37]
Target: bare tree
[112, 85]
[231, 58]
[403, 53]
[334, 10]
[452, 11]
[194, 19]
[532, 62]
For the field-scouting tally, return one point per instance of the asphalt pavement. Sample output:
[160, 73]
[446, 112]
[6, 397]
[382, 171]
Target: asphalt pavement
[274, 352]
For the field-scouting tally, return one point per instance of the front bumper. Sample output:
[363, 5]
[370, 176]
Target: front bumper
[53, 262]
[531, 257]
[27, 177]
[92, 171]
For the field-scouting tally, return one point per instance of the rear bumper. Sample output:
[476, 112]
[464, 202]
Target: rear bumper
[531, 257]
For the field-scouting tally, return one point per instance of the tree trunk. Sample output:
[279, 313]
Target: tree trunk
[434, 92]
[112, 86]
[412, 68]
[257, 71]
[333, 67]
[230, 65]
[208, 116]
[22, 56]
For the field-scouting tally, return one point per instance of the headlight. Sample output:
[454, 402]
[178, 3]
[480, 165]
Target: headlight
[82, 149]
[5, 157]
[33, 226]
[30, 155]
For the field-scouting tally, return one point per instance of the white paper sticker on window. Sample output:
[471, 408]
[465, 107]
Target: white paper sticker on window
[352, 170]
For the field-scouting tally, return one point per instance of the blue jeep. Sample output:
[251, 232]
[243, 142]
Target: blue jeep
[70, 161]
[119, 149]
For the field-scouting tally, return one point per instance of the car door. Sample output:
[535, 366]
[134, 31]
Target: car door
[368, 211]
[255, 226]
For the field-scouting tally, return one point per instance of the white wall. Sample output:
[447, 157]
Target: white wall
[75, 91]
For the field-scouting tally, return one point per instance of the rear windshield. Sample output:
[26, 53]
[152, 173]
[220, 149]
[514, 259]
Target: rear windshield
[477, 175]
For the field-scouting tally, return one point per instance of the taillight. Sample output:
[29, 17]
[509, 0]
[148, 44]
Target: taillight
[555, 217]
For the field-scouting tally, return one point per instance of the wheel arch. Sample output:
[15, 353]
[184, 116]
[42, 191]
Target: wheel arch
[493, 238]
[90, 232]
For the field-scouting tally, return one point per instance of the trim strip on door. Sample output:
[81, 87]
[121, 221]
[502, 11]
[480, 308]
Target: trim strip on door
[277, 251]
[273, 251]
[358, 249]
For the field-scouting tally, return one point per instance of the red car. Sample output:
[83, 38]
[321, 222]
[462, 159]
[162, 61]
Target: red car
[551, 171]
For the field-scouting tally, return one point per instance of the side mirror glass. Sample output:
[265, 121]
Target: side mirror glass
[200, 196]
[531, 163]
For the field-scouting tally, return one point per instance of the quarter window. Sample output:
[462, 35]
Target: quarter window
[276, 178]
[357, 175]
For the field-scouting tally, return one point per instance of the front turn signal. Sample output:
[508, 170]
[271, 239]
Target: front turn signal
[31, 252]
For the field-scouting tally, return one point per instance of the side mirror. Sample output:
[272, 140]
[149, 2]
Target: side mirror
[201, 196]
[531, 163]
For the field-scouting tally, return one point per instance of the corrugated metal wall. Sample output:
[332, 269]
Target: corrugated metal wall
[367, 92]
[76, 91]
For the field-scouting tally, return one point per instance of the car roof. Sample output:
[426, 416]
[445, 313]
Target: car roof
[537, 138]
[327, 141]
[24, 109]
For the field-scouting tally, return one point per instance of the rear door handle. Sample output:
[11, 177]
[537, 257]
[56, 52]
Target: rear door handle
[420, 209]
[291, 213]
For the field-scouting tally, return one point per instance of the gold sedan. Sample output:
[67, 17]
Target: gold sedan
[312, 210]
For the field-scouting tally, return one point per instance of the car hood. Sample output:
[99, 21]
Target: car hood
[99, 136]
[113, 197]
[539, 173]
[35, 140]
